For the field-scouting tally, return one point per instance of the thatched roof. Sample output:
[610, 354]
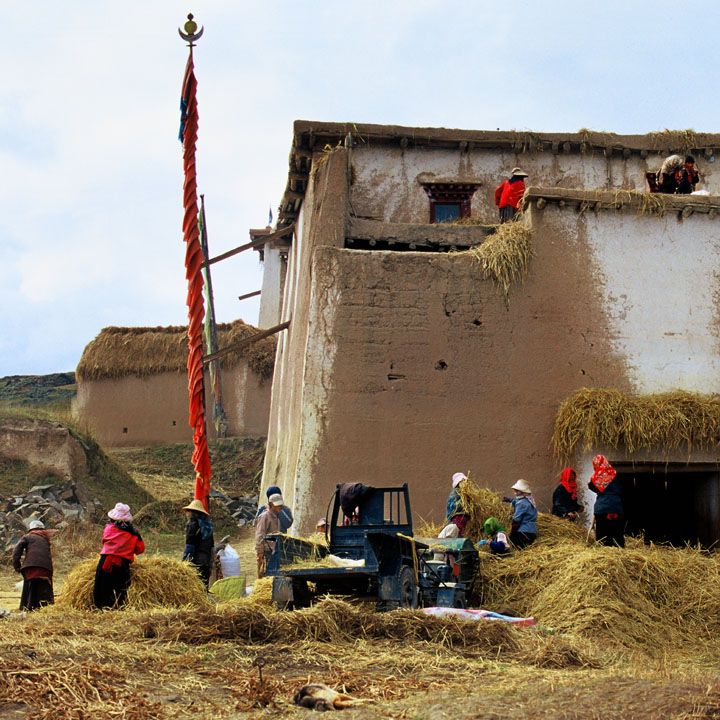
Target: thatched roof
[141, 351]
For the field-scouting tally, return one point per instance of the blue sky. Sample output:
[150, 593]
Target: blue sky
[90, 189]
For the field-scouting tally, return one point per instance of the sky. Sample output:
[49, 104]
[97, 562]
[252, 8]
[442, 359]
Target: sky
[91, 167]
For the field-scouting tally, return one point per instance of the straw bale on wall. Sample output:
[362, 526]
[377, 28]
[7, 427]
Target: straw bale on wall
[601, 417]
[142, 351]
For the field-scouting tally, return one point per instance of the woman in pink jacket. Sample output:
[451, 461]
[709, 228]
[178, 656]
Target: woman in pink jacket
[121, 542]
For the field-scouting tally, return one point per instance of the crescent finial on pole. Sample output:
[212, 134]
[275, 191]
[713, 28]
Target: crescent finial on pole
[191, 35]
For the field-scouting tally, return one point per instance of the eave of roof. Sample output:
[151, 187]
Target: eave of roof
[310, 136]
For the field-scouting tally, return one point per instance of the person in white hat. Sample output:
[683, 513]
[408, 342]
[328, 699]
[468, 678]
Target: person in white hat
[199, 539]
[454, 511]
[36, 566]
[121, 542]
[524, 521]
[509, 194]
[267, 524]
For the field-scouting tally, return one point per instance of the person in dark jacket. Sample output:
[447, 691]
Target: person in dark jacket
[285, 517]
[199, 540]
[121, 542]
[687, 177]
[565, 504]
[524, 520]
[36, 567]
[609, 520]
[509, 194]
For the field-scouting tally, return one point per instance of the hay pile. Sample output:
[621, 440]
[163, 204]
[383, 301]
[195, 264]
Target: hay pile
[336, 621]
[506, 254]
[481, 503]
[169, 516]
[155, 582]
[600, 417]
[640, 598]
[118, 352]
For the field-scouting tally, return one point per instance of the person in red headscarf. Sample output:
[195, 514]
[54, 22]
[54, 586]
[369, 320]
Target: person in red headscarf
[565, 504]
[609, 520]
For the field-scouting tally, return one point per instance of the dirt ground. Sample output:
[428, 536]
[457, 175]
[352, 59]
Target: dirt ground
[60, 664]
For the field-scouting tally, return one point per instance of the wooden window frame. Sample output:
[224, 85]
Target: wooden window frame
[450, 193]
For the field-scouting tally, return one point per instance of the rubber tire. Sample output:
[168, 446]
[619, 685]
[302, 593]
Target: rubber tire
[408, 590]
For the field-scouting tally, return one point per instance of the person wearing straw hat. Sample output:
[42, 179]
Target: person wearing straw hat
[121, 542]
[608, 510]
[36, 566]
[454, 511]
[509, 194]
[286, 517]
[267, 524]
[199, 539]
[524, 521]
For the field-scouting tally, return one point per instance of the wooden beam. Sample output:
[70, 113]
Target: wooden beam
[247, 341]
[249, 295]
[263, 240]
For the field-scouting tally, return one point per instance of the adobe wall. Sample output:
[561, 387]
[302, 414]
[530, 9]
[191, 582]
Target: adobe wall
[415, 368]
[387, 178]
[136, 412]
[322, 221]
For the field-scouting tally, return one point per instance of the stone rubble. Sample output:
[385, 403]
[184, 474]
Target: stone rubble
[242, 509]
[56, 506]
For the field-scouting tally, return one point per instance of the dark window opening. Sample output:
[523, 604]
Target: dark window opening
[449, 201]
[675, 506]
[125, 430]
[446, 212]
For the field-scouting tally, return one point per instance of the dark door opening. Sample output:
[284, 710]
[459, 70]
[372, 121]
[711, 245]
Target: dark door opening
[672, 505]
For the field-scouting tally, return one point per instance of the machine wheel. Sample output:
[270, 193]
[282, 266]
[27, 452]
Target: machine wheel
[408, 590]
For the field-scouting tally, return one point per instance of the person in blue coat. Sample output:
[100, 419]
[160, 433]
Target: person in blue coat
[608, 510]
[285, 517]
[524, 521]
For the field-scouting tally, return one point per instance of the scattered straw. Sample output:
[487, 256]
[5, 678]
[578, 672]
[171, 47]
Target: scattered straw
[597, 417]
[154, 582]
[117, 352]
[505, 255]
[651, 204]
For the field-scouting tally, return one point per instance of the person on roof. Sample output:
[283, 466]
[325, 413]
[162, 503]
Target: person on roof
[687, 177]
[565, 504]
[509, 194]
[667, 174]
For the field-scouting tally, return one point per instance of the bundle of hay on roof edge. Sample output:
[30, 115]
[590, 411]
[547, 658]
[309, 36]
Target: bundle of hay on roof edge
[142, 351]
[603, 417]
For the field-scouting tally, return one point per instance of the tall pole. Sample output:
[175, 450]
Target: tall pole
[193, 270]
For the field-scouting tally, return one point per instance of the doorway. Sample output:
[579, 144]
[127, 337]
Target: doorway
[672, 503]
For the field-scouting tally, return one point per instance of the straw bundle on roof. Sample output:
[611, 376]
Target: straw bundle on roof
[647, 203]
[117, 352]
[154, 582]
[506, 254]
[599, 417]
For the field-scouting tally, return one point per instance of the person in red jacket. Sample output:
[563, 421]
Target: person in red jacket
[509, 194]
[121, 542]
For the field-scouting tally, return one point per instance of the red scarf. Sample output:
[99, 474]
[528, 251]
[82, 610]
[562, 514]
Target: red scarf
[568, 480]
[603, 474]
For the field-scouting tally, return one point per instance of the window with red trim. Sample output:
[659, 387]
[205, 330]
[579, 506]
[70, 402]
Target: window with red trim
[449, 201]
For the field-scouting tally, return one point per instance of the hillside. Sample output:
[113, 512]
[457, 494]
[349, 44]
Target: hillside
[55, 390]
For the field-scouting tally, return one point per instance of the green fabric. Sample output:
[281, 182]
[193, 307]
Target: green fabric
[231, 588]
[492, 526]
